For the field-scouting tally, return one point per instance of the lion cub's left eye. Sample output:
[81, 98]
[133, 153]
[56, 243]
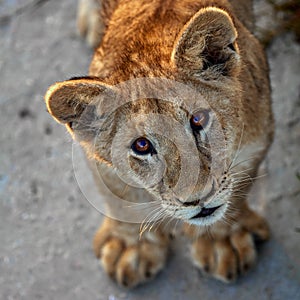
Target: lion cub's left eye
[142, 146]
[199, 119]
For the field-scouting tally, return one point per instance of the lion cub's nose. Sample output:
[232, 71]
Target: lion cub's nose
[185, 204]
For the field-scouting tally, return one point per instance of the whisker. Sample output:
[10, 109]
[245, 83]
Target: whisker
[165, 216]
[242, 172]
[155, 213]
[156, 218]
[242, 161]
[230, 218]
[240, 179]
[245, 180]
[239, 196]
[151, 203]
[145, 221]
[238, 149]
[260, 176]
[171, 218]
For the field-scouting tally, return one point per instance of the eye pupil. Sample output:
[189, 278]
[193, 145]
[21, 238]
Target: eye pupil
[197, 119]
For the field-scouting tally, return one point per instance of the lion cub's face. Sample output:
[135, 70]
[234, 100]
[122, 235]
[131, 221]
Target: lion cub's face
[174, 137]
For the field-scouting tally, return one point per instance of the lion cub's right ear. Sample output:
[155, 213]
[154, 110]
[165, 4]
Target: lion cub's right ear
[206, 47]
[67, 100]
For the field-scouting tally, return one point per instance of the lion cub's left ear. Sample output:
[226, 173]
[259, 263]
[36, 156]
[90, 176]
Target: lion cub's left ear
[206, 46]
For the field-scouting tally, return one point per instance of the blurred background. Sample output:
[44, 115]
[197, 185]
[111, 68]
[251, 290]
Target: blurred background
[46, 224]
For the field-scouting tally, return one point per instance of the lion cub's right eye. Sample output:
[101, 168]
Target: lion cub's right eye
[199, 120]
[142, 146]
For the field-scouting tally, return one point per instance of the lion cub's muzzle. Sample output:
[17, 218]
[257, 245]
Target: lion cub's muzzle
[204, 210]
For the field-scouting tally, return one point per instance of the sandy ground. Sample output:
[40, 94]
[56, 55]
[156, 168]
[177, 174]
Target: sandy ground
[46, 225]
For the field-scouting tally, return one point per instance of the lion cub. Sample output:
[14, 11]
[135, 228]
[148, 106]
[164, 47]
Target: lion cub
[175, 119]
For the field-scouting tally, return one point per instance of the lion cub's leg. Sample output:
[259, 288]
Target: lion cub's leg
[89, 22]
[127, 257]
[224, 250]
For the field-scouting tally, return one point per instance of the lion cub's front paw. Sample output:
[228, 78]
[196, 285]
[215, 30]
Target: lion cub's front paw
[89, 21]
[226, 255]
[128, 259]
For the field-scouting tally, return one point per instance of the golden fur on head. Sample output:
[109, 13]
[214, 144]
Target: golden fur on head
[161, 66]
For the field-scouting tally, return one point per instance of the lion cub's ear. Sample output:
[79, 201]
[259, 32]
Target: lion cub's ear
[66, 101]
[206, 46]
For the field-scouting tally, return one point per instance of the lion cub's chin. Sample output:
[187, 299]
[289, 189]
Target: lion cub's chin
[208, 216]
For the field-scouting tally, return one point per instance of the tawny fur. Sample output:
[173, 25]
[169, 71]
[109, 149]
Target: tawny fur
[208, 46]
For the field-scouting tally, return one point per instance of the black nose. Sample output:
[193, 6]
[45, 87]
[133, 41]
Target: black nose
[204, 212]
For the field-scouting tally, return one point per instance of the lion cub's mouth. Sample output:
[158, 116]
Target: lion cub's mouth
[208, 215]
[205, 212]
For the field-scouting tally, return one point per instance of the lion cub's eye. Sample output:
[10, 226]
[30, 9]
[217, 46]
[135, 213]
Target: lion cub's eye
[199, 119]
[142, 146]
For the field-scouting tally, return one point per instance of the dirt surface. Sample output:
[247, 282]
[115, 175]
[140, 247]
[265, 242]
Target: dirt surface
[46, 225]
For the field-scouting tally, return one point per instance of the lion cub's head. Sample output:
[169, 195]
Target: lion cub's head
[174, 135]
